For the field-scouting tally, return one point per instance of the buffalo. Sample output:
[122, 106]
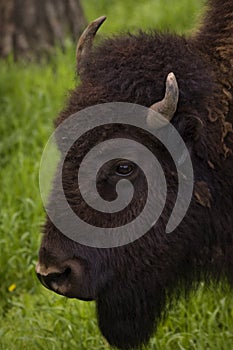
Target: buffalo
[190, 82]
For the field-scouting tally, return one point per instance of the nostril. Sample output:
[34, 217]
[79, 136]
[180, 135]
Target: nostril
[71, 278]
[54, 277]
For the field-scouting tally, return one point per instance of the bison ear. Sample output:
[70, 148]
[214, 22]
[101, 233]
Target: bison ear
[190, 127]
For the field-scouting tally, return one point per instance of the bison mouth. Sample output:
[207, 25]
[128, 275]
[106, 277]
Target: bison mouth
[71, 280]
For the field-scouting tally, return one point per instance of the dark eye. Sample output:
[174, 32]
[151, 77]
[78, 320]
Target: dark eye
[124, 169]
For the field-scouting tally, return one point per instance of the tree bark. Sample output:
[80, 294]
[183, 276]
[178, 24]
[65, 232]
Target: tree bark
[31, 28]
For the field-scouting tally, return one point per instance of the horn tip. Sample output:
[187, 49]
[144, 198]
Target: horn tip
[171, 83]
[100, 20]
[171, 77]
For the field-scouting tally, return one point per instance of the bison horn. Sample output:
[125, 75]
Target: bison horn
[85, 42]
[167, 107]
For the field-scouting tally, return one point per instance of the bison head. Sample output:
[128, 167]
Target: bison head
[133, 283]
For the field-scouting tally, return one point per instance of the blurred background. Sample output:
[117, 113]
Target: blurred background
[37, 70]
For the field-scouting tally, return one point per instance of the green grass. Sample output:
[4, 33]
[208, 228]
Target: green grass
[177, 15]
[30, 97]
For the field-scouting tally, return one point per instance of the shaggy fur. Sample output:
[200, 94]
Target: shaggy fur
[135, 284]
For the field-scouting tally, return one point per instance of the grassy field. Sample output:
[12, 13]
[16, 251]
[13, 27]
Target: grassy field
[30, 97]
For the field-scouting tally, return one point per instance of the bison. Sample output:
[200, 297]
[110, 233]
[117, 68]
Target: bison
[135, 284]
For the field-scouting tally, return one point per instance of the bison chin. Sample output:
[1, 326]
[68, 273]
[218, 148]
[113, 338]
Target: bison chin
[127, 315]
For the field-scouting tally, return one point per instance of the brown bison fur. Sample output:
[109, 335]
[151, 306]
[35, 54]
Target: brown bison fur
[134, 285]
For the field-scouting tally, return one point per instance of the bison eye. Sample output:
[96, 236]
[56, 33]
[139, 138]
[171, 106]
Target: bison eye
[124, 169]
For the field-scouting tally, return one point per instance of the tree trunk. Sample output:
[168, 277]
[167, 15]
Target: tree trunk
[31, 28]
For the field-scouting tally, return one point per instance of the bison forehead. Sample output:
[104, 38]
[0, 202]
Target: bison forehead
[133, 68]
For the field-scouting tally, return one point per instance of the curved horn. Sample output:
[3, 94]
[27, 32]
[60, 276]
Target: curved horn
[85, 42]
[167, 107]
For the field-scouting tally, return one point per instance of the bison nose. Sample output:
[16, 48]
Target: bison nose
[69, 279]
[53, 278]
